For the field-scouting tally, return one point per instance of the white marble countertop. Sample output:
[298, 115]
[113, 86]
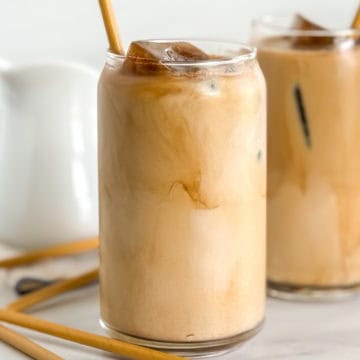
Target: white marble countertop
[313, 331]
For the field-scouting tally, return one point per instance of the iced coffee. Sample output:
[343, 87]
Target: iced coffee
[182, 167]
[313, 76]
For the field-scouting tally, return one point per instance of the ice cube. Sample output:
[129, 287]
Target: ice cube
[183, 51]
[302, 23]
[151, 56]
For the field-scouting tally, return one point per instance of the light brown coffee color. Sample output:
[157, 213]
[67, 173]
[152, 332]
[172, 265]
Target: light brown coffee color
[182, 202]
[313, 175]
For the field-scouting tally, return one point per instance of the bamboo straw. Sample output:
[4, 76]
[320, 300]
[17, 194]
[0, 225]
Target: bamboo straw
[71, 248]
[85, 338]
[111, 27]
[356, 22]
[25, 345]
[27, 301]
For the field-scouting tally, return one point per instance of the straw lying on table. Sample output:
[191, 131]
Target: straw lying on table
[25, 345]
[72, 248]
[36, 297]
[21, 342]
[85, 338]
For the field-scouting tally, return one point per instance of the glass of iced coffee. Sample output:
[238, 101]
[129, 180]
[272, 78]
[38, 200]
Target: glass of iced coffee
[313, 76]
[182, 166]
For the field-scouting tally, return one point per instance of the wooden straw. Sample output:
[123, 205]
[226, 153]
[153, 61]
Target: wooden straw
[111, 27]
[25, 345]
[36, 297]
[84, 338]
[356, 22]
[54, 251]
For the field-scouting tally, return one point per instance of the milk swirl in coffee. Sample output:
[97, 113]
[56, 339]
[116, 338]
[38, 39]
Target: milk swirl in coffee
[313, 167]
[182, 164]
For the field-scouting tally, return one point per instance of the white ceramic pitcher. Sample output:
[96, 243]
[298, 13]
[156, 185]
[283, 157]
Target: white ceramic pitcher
[48, 159]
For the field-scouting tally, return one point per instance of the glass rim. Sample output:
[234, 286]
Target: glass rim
[269, 22]
[250, 53]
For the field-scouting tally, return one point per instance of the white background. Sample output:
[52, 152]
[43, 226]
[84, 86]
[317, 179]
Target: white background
[72, 29]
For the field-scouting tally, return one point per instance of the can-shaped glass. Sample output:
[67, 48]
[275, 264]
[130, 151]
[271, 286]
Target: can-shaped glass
[182, 170]
[313, 76]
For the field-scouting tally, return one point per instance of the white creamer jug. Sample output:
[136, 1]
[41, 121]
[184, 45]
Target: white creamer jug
[48, 157]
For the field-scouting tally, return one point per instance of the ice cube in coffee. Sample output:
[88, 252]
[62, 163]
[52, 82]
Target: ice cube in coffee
[182, 164]
[149, 57]
[313, 169]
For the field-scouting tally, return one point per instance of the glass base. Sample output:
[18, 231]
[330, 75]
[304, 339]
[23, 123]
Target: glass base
[312, 293]
[194, 350]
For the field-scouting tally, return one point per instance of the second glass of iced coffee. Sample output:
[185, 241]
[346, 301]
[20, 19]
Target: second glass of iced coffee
[182, 162]
[313, 77]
